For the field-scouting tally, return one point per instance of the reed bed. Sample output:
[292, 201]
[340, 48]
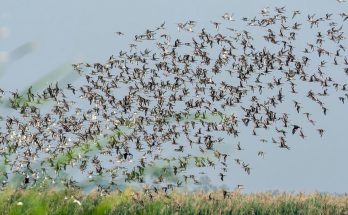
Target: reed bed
[178, 202]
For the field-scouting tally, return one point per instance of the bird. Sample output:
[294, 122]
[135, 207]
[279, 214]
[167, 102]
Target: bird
[176, 99]
[222, 176]
[119, 33]
[321, 131]
[294, 129]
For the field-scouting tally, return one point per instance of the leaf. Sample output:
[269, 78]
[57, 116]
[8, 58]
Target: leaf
[63, 74]
[22, 51]
[17, 54]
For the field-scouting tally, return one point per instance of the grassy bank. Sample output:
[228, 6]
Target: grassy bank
[131, 202]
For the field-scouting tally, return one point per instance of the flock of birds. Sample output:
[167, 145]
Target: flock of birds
[178, 102]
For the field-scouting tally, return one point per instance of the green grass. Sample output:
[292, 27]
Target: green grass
[132, 202]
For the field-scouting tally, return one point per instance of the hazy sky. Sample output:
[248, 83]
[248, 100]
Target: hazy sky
[83, 30]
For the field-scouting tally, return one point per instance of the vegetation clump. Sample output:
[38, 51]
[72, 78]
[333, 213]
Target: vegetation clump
[131, 202]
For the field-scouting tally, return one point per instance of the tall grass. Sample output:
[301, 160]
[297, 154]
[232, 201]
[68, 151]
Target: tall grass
[132, 202]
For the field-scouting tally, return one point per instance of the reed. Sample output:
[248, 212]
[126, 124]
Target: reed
[34, 201]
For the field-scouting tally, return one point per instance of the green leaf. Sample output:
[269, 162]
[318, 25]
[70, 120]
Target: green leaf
[63, 74]
[18, 53]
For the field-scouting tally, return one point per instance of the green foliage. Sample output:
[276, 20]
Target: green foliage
[35, 201]
[27, 98]
[17, 54]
